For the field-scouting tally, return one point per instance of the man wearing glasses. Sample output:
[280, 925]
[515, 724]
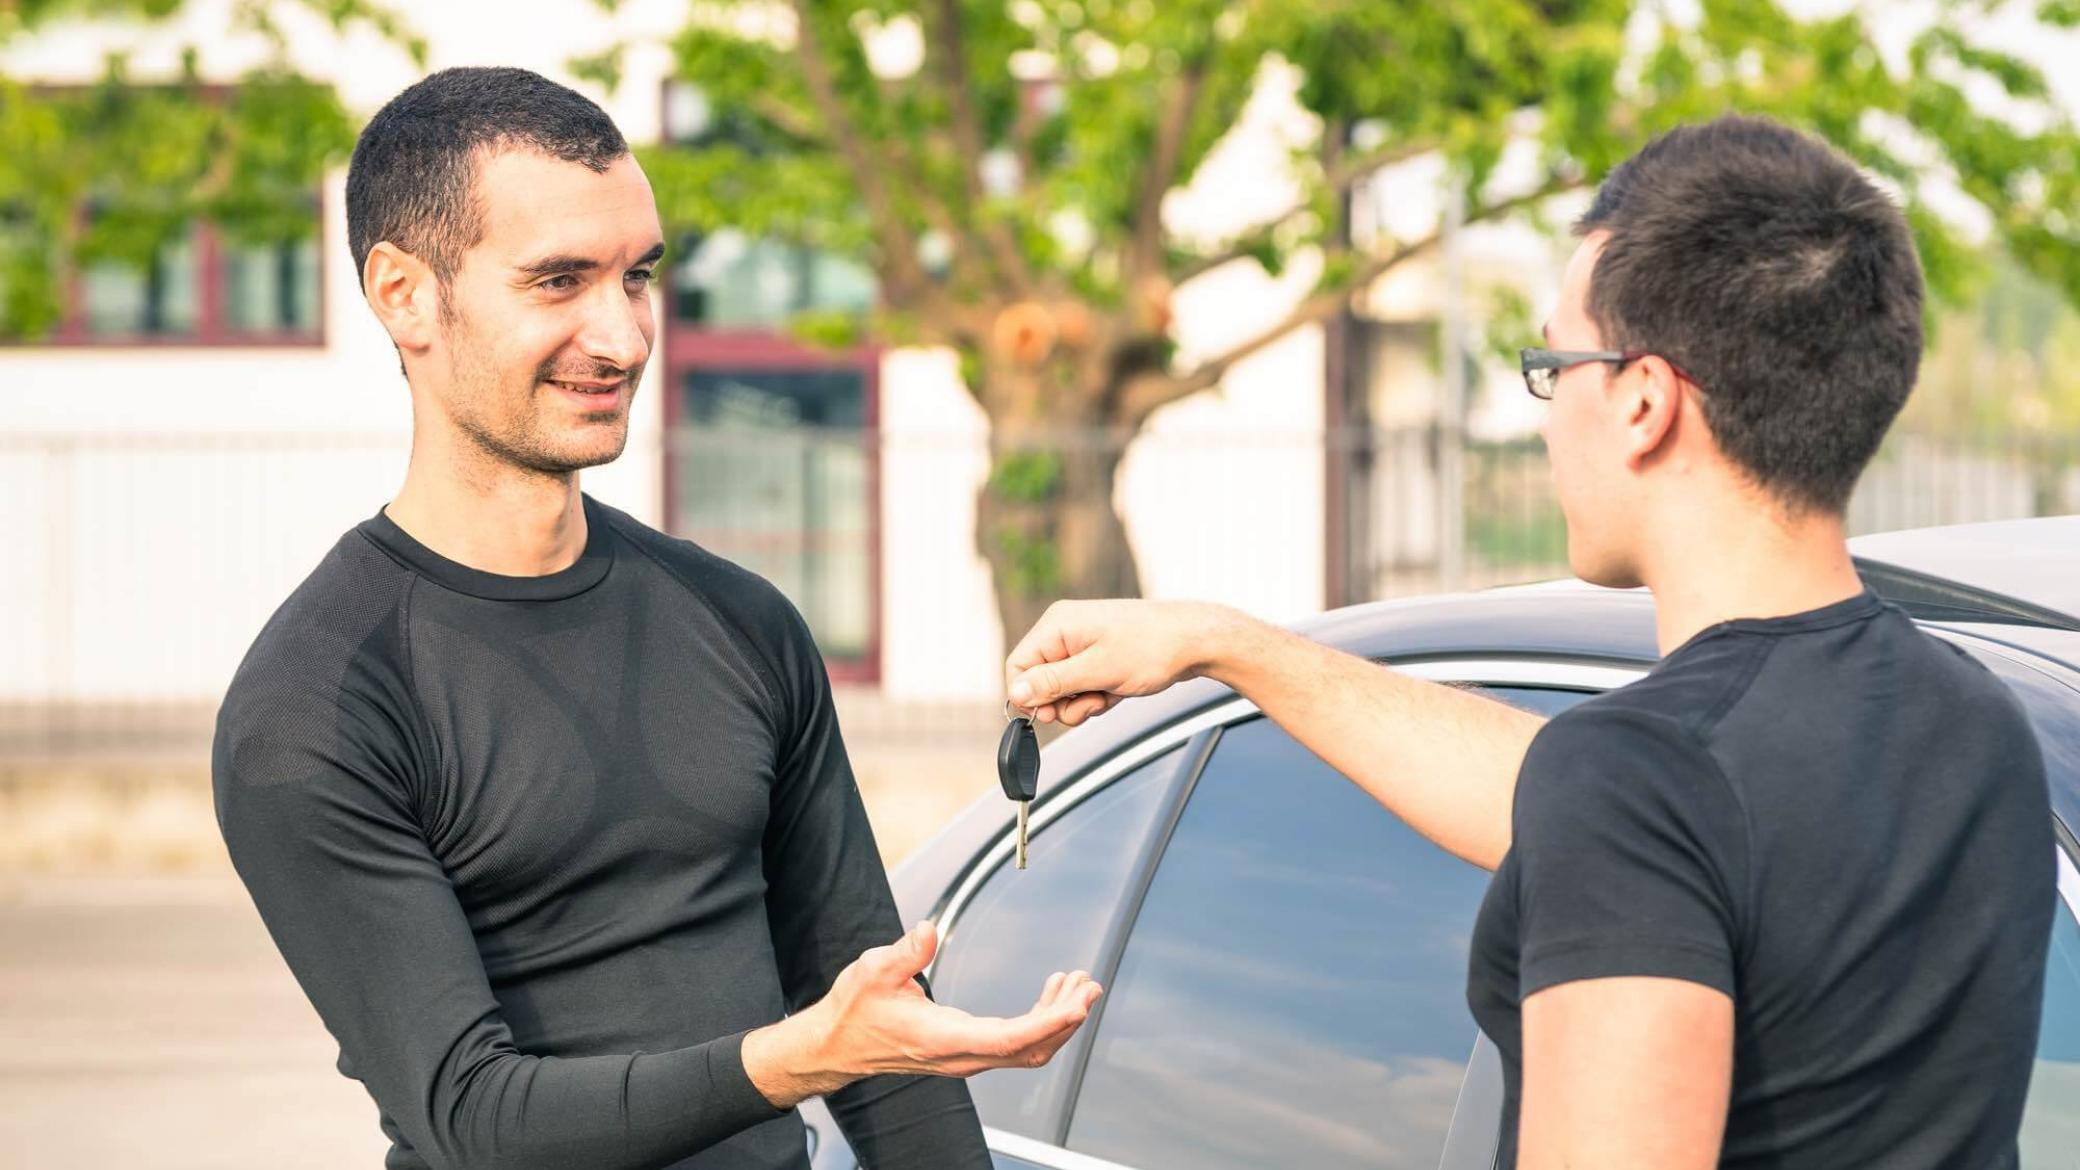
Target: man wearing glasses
[1783, 902]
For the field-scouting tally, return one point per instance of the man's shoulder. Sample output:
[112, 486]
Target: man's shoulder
[346, 613]
[740, 595]
[1644, 722]
[328, 677]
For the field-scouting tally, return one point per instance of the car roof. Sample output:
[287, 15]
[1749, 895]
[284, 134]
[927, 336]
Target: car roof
[2035, 562]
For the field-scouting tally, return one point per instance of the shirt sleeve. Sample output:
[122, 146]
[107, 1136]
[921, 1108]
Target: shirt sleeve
[827, 899]
[313, 797]
[1631, 854]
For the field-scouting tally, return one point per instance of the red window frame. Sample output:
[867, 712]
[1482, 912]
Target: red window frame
[688, 348]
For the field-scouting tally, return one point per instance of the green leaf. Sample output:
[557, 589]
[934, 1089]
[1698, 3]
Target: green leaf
[828, 329]
[1026, 477]
[602, 68]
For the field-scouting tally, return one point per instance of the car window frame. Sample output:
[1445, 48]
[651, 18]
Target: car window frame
[1194, 747]
[1205, 727]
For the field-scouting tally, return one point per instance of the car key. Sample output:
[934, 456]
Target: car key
[1018, 770]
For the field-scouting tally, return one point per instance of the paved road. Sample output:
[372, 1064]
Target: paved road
[148, 1022]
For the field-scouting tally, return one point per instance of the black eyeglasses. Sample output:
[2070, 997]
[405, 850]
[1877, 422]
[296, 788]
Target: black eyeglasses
[1542, 366]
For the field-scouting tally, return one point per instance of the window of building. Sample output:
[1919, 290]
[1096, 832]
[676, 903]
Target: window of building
[774, 455]
[204, 287]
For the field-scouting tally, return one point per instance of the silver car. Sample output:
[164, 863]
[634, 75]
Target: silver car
[1285, 962]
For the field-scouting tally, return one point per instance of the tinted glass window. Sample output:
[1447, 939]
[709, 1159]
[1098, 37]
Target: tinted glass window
[2051, 1120]
[270, 288]
[772, 471]
[160, 297]
[1294, 990]
[731, 280]
[1050, 916]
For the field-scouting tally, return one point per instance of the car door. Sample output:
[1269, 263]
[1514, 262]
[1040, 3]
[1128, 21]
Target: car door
[2050, 1132]
[1279, 933]
[1004, 928]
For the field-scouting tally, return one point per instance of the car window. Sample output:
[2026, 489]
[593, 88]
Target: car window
[2051, 1119]
[1051, 916]
[1294, 989]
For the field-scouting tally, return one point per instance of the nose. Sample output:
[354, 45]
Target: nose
[617, 329]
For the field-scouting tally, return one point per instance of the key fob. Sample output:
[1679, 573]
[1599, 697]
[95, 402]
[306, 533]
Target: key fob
[1018, 760]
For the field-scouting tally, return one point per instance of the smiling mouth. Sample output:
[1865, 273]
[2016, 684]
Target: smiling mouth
[607, 391]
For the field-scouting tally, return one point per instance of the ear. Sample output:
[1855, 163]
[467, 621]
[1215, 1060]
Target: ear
[405, 295]
[1651, 397]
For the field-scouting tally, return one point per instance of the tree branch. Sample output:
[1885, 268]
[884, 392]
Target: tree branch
[1149, 392]
[898, 242]
[1145, 243]
[788, 120]
[947, 53]
[1340, 176]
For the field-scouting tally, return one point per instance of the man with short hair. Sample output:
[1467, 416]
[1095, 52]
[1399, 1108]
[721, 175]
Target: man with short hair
[1784, 902]
[548, 812]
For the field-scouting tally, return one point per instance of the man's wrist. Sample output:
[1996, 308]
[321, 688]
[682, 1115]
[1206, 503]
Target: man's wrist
[1226, 643]
[792, 1060]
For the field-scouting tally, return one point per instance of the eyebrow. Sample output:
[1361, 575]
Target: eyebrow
[560, 265]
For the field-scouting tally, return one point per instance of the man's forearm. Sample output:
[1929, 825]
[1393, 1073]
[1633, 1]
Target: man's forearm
[1442, 759]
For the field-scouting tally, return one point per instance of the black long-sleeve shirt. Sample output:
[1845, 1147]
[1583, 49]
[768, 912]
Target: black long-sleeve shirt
[542, 849]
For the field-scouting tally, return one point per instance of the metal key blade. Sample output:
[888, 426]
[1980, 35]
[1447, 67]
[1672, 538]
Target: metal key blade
[1022, 805]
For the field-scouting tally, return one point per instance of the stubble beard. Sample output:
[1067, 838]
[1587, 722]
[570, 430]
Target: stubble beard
[514, 438]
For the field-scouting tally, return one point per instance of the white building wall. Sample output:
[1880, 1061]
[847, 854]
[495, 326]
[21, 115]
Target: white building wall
[156, 504]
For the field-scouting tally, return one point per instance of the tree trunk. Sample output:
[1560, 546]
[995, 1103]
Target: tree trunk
[1045, 519]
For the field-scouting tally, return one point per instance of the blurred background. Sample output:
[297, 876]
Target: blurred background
[972, 305]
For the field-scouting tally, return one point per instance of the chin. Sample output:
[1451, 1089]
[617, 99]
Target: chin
[575, 455]
[1611, 572]
[597, 454]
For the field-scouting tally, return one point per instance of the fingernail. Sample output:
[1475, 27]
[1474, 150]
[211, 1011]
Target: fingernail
[1021, 692]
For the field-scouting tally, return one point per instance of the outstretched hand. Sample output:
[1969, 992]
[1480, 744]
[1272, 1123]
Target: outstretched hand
[877, 1019]
[879, 1005]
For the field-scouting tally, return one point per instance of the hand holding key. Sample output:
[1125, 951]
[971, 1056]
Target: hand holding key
[1085, 656]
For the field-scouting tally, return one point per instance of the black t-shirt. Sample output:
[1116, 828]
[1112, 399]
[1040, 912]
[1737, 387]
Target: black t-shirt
[541, 849]
[1839, 821]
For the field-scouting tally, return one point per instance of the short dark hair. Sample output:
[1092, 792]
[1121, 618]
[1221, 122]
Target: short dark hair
[412, 179]
[1768, 268]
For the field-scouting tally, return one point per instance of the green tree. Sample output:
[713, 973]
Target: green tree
[116, 170]
[1099, 108]
[1008, 192]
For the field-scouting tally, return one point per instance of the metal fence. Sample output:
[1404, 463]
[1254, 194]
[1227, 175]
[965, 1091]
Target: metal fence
[138, 569]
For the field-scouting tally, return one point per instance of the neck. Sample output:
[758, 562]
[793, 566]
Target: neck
[473, 509]
[1751, 561]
